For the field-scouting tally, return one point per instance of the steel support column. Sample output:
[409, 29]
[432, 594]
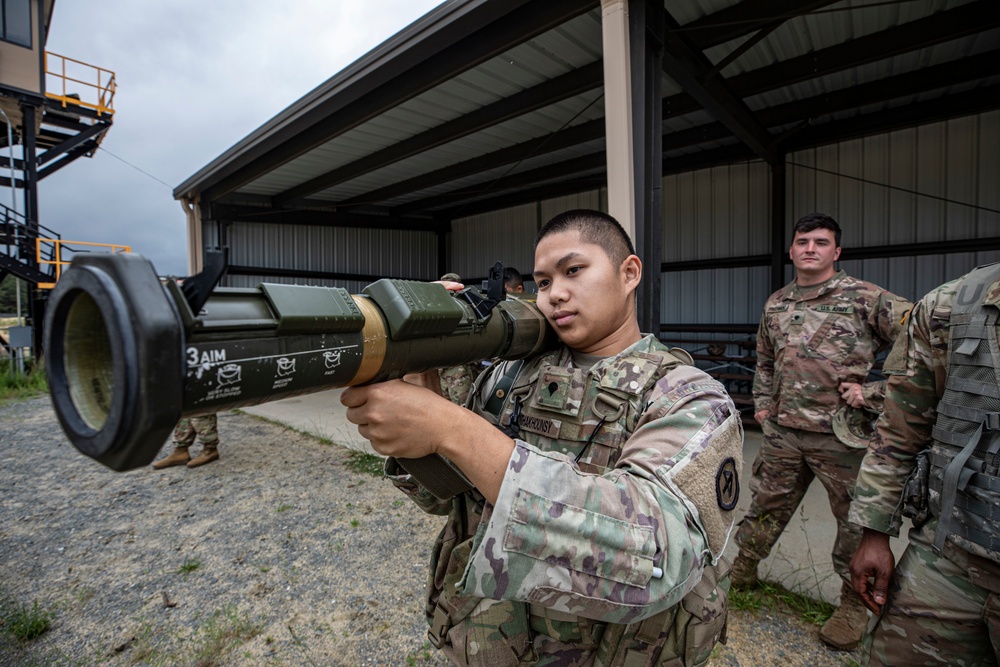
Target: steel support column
[30, 168]
[646, 28]
[36, 303]
[618, 88]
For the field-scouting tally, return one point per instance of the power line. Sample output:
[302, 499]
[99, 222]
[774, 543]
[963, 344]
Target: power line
[895, 187]
[139, 169]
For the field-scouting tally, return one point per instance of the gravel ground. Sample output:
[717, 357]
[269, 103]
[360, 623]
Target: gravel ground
[279, 554]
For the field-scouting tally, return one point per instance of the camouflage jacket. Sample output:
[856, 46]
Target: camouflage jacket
[612, 544]
[917, 369]
[456, 381]
[809, 341]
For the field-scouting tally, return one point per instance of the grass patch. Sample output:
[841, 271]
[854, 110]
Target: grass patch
[213, 642]
[189, 565]
[284, 508]
[224, 631]
[768, 595]
[423, 655]
[24, 623]
[365, 463]
[20, 387]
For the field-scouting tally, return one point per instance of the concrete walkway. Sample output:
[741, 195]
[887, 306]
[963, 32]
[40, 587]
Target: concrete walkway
[800, 561]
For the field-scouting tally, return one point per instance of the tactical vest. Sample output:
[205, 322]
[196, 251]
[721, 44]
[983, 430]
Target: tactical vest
[965, 453]
[554, 408]
[564, 410]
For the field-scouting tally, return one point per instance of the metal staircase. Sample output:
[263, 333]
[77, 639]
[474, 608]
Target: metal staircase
[44, 128]
[19, 248]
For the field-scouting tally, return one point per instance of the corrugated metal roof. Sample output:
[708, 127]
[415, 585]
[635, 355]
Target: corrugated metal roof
[484, 103]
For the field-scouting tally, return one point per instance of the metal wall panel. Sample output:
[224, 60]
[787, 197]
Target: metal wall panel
[713, 296]
[592, 199]
[713, 213]
[736, 296]
[913, 277]
[507, 236]
[378, 252]
[954, 165]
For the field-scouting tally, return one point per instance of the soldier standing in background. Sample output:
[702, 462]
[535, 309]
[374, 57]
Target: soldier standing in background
[206, 427]
[934, 455]
[513, 282]
[596, 526]
[816, 344]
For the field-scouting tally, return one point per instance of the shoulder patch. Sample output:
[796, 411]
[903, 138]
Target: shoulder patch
[727, 484]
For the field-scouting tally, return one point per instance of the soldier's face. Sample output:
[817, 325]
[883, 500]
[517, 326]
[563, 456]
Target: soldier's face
[586, 299]
[813, 254]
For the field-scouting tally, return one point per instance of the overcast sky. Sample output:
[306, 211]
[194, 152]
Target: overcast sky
[194, 77]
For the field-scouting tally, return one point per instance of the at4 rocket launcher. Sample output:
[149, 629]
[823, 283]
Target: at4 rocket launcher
[129, 354]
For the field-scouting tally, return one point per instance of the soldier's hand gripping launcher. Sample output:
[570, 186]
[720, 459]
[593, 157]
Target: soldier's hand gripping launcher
[128, 355]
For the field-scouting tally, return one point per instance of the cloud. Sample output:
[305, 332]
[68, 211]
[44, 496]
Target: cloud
[193, 78]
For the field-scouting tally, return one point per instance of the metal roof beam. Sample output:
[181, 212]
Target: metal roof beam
[537, 97]
[689, 68]
[592, 182]
[253, 214]
[942, 27]
[745, 17]
[572, 136]
[976, 101]
[903, 85]
[405, 76]
[911, 115]
[905, 38]
[520, 179]
[537, 193]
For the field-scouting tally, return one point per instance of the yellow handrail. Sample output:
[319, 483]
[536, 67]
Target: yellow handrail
[59, 262]
[100, 88]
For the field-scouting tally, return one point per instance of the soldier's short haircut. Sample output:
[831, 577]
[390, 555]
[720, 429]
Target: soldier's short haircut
[512, 277]
[808, 223]
[594, 227]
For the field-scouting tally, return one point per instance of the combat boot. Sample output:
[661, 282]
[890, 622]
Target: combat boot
[208, 454]
[845, 627]
[744, 574]
[178, 457]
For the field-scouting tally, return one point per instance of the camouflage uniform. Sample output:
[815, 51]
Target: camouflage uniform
[941, 608]
[456, 381]
[605, 542]
[810, 340]
[205, 427]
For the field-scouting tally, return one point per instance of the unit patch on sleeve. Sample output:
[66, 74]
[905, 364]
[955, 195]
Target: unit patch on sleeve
[727, 484]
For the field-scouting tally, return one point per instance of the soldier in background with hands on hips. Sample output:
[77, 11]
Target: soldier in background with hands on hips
[816, 344]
